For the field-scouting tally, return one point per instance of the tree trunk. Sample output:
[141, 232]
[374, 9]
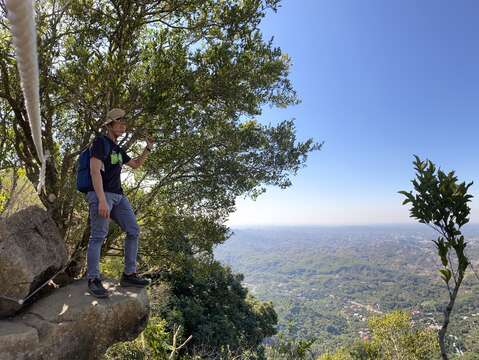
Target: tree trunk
[447, 314]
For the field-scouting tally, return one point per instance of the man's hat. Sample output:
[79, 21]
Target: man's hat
[114, 114]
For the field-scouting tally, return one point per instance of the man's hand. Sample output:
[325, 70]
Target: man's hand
[95, 166]
[103, 209]
[139, 160]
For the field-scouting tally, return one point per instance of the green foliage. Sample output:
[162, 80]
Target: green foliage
[285, 348]
[342, 354]
[442, 202]
[216, 309]
[126, 351]
[468, 356]
[440, 199]
[112, 266]
[194, 75]
[359, 350]
[396, 338]
[3, 200]
[209, 303]
[393, 337]
[16, 191]
[153, 343]
[156, 338]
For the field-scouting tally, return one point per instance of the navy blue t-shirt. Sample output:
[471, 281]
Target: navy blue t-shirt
[112, 162]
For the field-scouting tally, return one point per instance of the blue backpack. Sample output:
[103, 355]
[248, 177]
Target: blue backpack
[84, 183]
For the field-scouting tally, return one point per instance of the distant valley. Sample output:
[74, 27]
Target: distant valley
[325, 282]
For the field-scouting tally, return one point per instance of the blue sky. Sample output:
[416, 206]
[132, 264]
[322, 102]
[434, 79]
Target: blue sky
[379, 81]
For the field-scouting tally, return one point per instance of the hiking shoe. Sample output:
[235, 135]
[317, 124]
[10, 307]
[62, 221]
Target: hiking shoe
[96, 288]
[133, 280]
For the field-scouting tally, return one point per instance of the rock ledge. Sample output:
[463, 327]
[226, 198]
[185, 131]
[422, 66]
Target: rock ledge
[71, 324]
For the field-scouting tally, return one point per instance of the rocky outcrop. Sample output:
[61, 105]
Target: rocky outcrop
[31, 251]
[71, 324]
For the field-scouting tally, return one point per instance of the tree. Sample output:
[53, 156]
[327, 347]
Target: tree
[194, 74]
[217, 310]
[441, 202]
[284, 348]
[396, 338]
[393, 337]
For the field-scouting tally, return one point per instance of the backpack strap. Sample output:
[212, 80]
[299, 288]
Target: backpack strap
[106, 145]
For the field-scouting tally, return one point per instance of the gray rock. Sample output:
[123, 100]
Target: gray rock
[31, 251]
[71, 324]
[16, 338]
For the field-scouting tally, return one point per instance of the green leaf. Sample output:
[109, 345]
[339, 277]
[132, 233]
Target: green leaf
[446, 274]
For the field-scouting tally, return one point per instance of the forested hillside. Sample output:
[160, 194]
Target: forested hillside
[326, 282]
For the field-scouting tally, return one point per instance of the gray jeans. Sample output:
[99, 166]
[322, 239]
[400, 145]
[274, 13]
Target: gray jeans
[122, 213]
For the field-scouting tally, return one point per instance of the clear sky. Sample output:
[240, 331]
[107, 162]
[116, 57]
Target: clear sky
[379, 81]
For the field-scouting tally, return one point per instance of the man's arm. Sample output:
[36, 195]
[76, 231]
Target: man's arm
[139, 160]
[95, 167]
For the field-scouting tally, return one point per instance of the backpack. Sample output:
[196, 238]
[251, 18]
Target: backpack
[84, 183]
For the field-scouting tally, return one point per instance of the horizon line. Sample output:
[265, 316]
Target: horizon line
[337, 225]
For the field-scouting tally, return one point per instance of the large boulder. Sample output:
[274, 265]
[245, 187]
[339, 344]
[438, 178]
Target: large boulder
[71, 324]
[31, 251]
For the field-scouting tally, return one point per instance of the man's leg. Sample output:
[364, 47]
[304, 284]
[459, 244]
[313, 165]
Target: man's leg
[125, 217]
[122, 213]
[99, 230]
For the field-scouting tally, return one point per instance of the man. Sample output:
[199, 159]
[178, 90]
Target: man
[106, 201]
